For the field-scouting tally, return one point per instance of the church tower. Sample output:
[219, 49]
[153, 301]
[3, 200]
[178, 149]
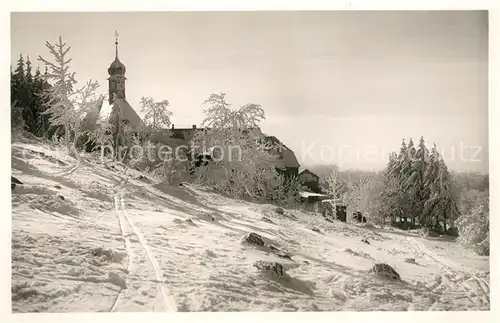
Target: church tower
[116, 79]
[116, 84]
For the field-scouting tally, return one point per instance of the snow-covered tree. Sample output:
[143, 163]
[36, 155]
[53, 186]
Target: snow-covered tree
[16, 116]
[156, 114]
[331, 183]
[29, 74]
[19, 74]
[59, 96]
[85, 102]
[371, 196]
[474, 226]
[425, 188]
[242, 160]
[440, 206]
[101, 136]
[414, 182]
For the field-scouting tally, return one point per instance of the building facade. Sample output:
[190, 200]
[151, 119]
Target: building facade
[310, 180]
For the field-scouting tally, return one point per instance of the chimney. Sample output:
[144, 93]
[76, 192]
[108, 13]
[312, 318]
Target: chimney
[194, 126]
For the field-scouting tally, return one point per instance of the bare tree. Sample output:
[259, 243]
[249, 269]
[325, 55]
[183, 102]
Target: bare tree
[243, 164]
[157, 115]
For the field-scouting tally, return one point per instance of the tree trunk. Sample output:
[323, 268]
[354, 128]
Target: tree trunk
[66, 129]
[444, 222]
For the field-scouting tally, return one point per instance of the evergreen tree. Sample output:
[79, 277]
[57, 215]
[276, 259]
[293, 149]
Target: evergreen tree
[424, 187]
[27, 102]
[18, 95]
[431, 188]
[30, 104]
[393, 176]
[29, 75]
[448, 206]
[440, 205]
[59, 95]
[44, 127]
[19, 75]
[414, 185]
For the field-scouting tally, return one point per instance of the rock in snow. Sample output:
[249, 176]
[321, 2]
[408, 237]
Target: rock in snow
[384, 270]
[14, 181]
[271, 267]
[117, 280]
[254, 238]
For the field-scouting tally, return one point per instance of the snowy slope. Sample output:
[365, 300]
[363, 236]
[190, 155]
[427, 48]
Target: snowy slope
[89, 237]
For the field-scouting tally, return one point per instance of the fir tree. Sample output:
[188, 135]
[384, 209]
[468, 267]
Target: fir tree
[19, 96]
[29, 75]
[414, 185]
[30, 108]
[448, 207]
[59, 95]
[19, 74]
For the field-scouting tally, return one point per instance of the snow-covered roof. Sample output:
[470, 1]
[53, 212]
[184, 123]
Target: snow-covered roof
[128, 113]
[105, 110]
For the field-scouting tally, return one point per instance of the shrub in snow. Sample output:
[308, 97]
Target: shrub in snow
[474, 228]
[384, 270]
[279, 210]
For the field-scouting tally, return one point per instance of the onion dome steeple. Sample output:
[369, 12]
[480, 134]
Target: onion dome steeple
[116, 77]
[117, 67]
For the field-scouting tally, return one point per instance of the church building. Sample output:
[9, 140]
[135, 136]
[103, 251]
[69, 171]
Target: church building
[175, 137]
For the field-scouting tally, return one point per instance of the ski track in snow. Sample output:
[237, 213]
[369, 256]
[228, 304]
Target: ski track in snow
[68, 171]
[128, 249]
[169, 304]
[452, 270]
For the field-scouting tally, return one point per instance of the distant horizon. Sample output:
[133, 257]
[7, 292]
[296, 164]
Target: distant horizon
[327, 80]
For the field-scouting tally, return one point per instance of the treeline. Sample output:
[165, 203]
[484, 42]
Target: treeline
[416, 189]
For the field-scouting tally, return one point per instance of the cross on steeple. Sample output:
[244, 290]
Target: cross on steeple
[116, 43]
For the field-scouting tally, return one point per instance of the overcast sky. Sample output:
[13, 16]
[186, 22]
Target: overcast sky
[337, 87]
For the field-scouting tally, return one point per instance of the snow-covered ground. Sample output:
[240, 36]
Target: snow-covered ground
[90, 237]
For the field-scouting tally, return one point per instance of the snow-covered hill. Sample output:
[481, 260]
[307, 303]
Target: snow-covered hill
[90, 237]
